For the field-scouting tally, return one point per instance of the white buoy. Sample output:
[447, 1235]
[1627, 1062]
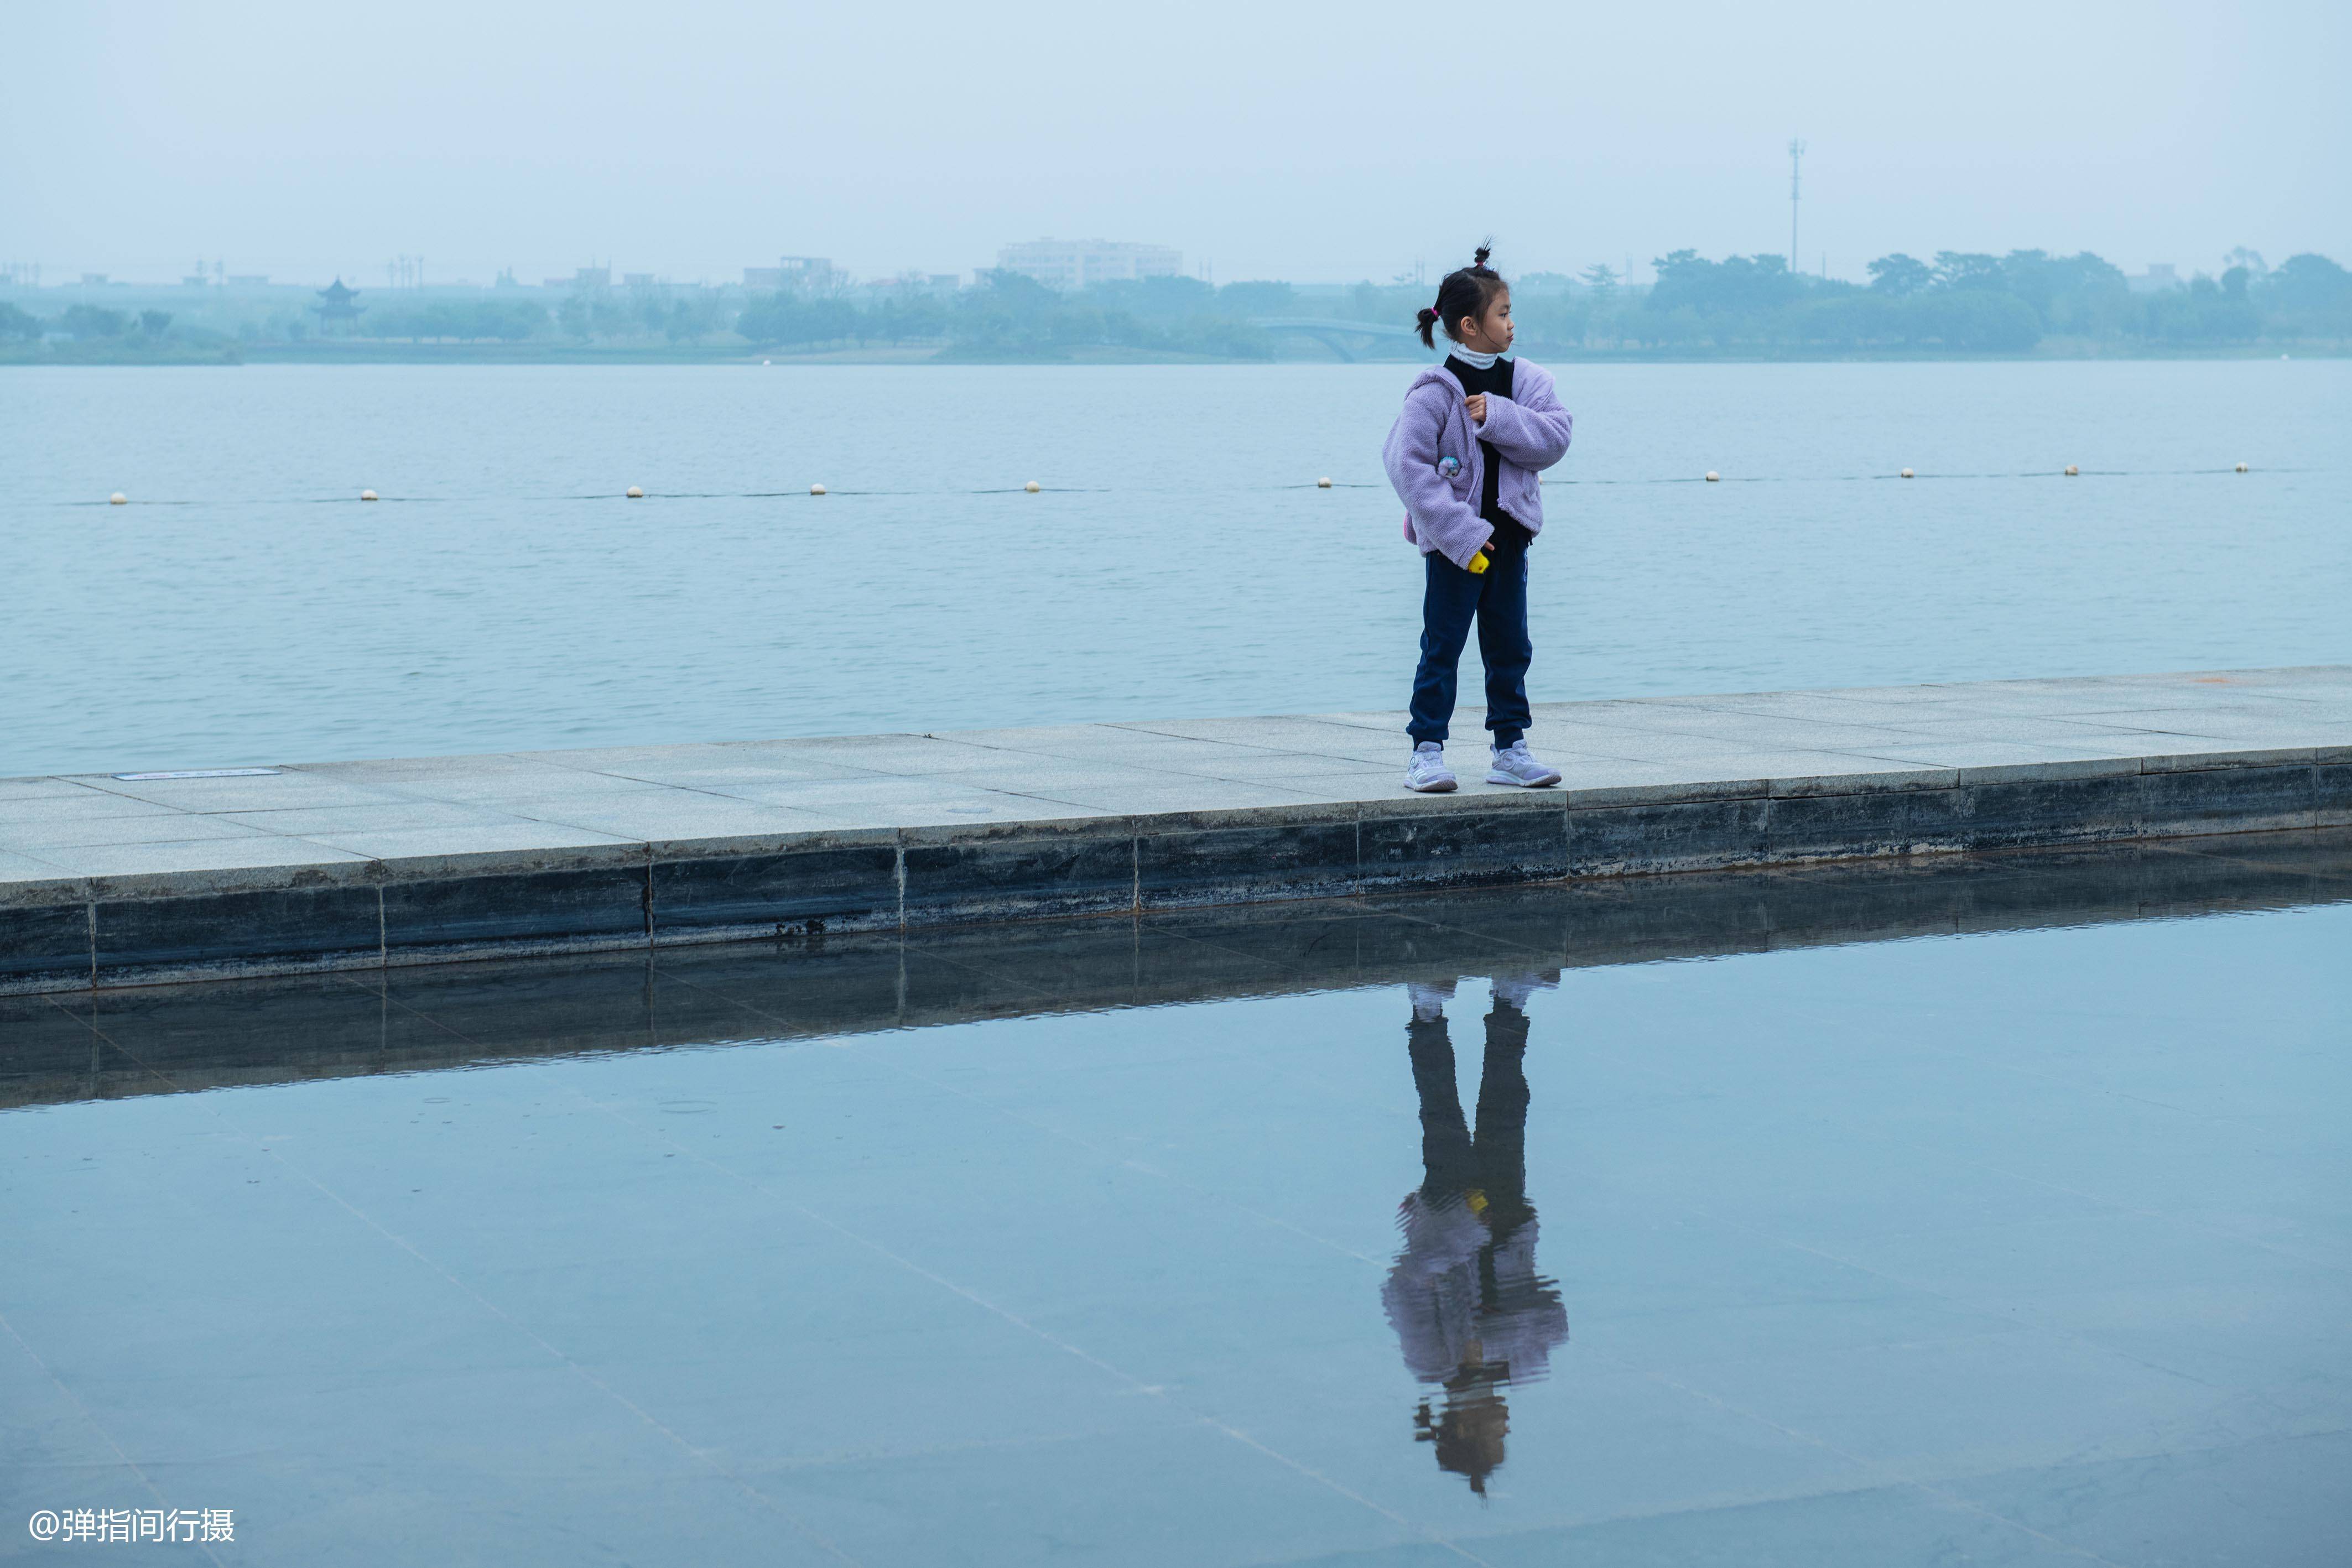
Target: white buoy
[2072, 471]
[767, 361]
[118, 499]
[1323, 483]
[1907, 474]
[1712, 477]
[816, 489]
[2241, 467]
[367, 494]
[1033, 486]
[635, 494]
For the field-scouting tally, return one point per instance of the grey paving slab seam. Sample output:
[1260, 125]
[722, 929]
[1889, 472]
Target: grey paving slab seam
[108, 881]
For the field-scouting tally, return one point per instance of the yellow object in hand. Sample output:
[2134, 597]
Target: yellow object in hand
[1479, 562]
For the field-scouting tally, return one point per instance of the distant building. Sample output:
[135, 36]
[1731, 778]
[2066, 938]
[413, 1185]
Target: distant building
[335, 307]
[796, 274]
[248, 280]
[585, 279]
[639, 280]
[1081, 264]
[2158, 277]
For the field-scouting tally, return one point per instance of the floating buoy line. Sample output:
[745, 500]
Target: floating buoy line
[1324, 482]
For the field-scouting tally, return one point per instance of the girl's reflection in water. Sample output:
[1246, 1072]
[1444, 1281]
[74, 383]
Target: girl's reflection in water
[1465, 1298]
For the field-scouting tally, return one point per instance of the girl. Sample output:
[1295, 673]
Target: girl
[1463, 457]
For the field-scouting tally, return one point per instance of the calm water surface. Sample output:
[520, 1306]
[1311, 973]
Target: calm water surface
[2025, 1247]
[247, 608]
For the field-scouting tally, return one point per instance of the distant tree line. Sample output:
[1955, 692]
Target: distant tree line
[1006, 315]
[1961, 301]
[83, 323]
[1957, 302]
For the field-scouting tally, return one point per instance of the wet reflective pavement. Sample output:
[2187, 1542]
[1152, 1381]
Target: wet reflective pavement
[1994, 1211]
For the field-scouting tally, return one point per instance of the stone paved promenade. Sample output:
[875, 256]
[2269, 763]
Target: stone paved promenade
[106, 880]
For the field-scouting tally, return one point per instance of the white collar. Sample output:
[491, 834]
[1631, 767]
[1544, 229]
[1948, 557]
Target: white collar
[1472, 358]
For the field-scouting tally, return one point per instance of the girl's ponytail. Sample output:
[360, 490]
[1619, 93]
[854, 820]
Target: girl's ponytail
[1428, 319]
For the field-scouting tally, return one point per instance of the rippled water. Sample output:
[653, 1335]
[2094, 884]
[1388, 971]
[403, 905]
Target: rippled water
[247, 608]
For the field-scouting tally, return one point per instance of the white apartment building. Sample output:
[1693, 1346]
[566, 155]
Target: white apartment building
[1080, 263]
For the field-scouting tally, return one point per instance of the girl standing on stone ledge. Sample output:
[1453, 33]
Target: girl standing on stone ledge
[1463, 456]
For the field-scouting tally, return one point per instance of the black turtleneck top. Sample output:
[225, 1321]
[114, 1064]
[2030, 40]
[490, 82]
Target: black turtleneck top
[1496, 380]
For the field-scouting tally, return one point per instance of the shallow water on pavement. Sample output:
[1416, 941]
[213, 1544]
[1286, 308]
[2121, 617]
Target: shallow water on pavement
[1685, 1221]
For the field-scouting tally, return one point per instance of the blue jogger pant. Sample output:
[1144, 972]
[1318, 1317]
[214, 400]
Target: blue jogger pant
[1497, 599]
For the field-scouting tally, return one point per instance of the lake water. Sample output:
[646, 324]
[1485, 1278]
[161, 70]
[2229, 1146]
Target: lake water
[1672, 1222]
[247, 608]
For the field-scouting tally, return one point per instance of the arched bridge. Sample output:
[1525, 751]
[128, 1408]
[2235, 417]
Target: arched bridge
[1348, 340]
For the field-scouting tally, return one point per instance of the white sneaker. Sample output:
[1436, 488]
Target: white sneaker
[1427, 772]
[1428, 1001]
[1513, 765]
[1513, 991]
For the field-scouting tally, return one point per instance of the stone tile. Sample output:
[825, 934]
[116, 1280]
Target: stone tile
[811, 890]
[246, 852]
[287, 789]
[832, 795]
[13, 791]
[1966, 754]
[973, 807]
[1076, 740]
[1910, 706]
[2027, 731]
[1311, 737]
[42, 812]
[768, 761]
[1724, 732]
[380, 816]
[1283, 770]
[16, 867]
[904, 755]
[451, 777]
[1181, 795]
[1057, 775]
[681, 817]
[47, 840]
[492, 838]
[277, 928]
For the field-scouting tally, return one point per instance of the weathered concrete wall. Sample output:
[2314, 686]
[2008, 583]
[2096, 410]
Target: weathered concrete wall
[169, 1038]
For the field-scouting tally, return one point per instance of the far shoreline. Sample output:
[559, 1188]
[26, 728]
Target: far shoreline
[47, 356]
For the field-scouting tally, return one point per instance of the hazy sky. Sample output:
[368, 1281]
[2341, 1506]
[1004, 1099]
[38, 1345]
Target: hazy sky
[1324, 143]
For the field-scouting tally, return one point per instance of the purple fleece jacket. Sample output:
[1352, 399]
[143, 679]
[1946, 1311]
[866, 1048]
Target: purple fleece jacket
[1530, 432]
